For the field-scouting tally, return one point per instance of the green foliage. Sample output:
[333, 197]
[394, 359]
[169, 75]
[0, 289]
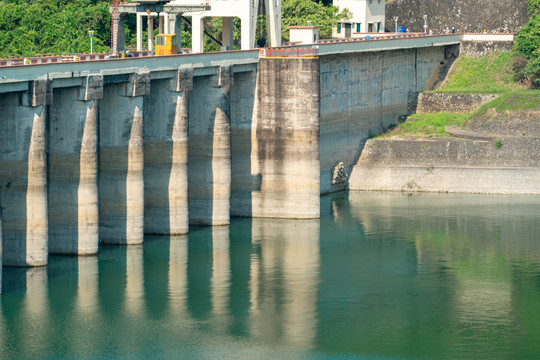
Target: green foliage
[533, 6]
[511, 101]
[30, 27]
[498, 143]
[426, 125]
[527, 43]
[433, 125]
[299, 12]
[487, 74]
[52, 26]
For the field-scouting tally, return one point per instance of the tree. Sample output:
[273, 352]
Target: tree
[527, 44]
[299, 12]
[533, 6]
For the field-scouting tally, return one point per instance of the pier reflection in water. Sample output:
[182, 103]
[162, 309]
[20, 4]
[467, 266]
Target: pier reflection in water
[379, 276]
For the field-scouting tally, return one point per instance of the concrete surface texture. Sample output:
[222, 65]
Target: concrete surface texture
[481, 48]
[450, 165]
[465, 15]
[104, 157]
[121, 160]
[165, 155]
[72, 193]
[24, 177]
[209, 164]
[460, 103]
[362, 94]
[285, 153]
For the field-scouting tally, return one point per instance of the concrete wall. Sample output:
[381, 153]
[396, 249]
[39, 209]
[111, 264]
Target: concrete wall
[243, 179]
[121, 161]
[361, 94]
[209, 164]
[460, 103]
[481, 48]
[465, 15]
[285, 154]
[107, 157]
[166, 153]
[449, 165]
[72, 168]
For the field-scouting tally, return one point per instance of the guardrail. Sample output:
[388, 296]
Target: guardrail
[288, 53]
[54, 59]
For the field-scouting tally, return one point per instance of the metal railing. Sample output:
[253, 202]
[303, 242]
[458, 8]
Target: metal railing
[288, 53]
[65, 58]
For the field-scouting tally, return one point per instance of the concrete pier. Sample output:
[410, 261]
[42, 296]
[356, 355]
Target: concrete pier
[23, 174]
[286, 141]
[73, 189]
[1, 246]
[165, 154]
[210, 150]
[121, 155]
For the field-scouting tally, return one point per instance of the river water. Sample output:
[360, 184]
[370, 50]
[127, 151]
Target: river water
[379, 276]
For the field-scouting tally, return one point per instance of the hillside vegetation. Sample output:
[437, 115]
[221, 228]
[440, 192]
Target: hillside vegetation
[490, 73]
[52, 26]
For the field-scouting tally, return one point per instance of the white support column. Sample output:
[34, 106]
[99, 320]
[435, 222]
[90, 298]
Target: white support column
[150, 33]
[161, 21]
[139, 31]
[196, 34]
[273, 21]
[227, 42]
[247, 36]
[166, 29]
[175, 27]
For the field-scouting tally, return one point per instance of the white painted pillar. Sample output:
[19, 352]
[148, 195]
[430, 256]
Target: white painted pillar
[175, 27]
[139, 31]
[166, 29]
[273, 21]
[161, 26]
[197, 34]
[247, 36]
[150, 33]
[227, 42]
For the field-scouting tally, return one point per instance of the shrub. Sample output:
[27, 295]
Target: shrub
[519, 63]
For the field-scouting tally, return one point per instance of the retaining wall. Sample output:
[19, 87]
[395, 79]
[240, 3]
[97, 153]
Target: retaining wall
[449, 165]
[460, 103]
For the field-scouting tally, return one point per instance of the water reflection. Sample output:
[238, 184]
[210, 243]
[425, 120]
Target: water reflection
[35, 311]
[380, 275]
[178, 256]
[284, 281]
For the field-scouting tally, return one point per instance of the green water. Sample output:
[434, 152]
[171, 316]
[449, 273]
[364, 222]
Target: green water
[379, 276]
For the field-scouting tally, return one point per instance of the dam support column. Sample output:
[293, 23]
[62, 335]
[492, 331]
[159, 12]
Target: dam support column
[121, 157]
[73, 192]
[209, 164]
[23, 174]
[165, 154]
[286, 139]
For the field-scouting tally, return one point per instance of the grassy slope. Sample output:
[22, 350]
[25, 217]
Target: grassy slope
[488, 74]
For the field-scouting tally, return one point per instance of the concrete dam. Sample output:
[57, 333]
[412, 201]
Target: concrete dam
[107, 151]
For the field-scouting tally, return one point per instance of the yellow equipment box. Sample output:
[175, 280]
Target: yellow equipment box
[166, 44]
